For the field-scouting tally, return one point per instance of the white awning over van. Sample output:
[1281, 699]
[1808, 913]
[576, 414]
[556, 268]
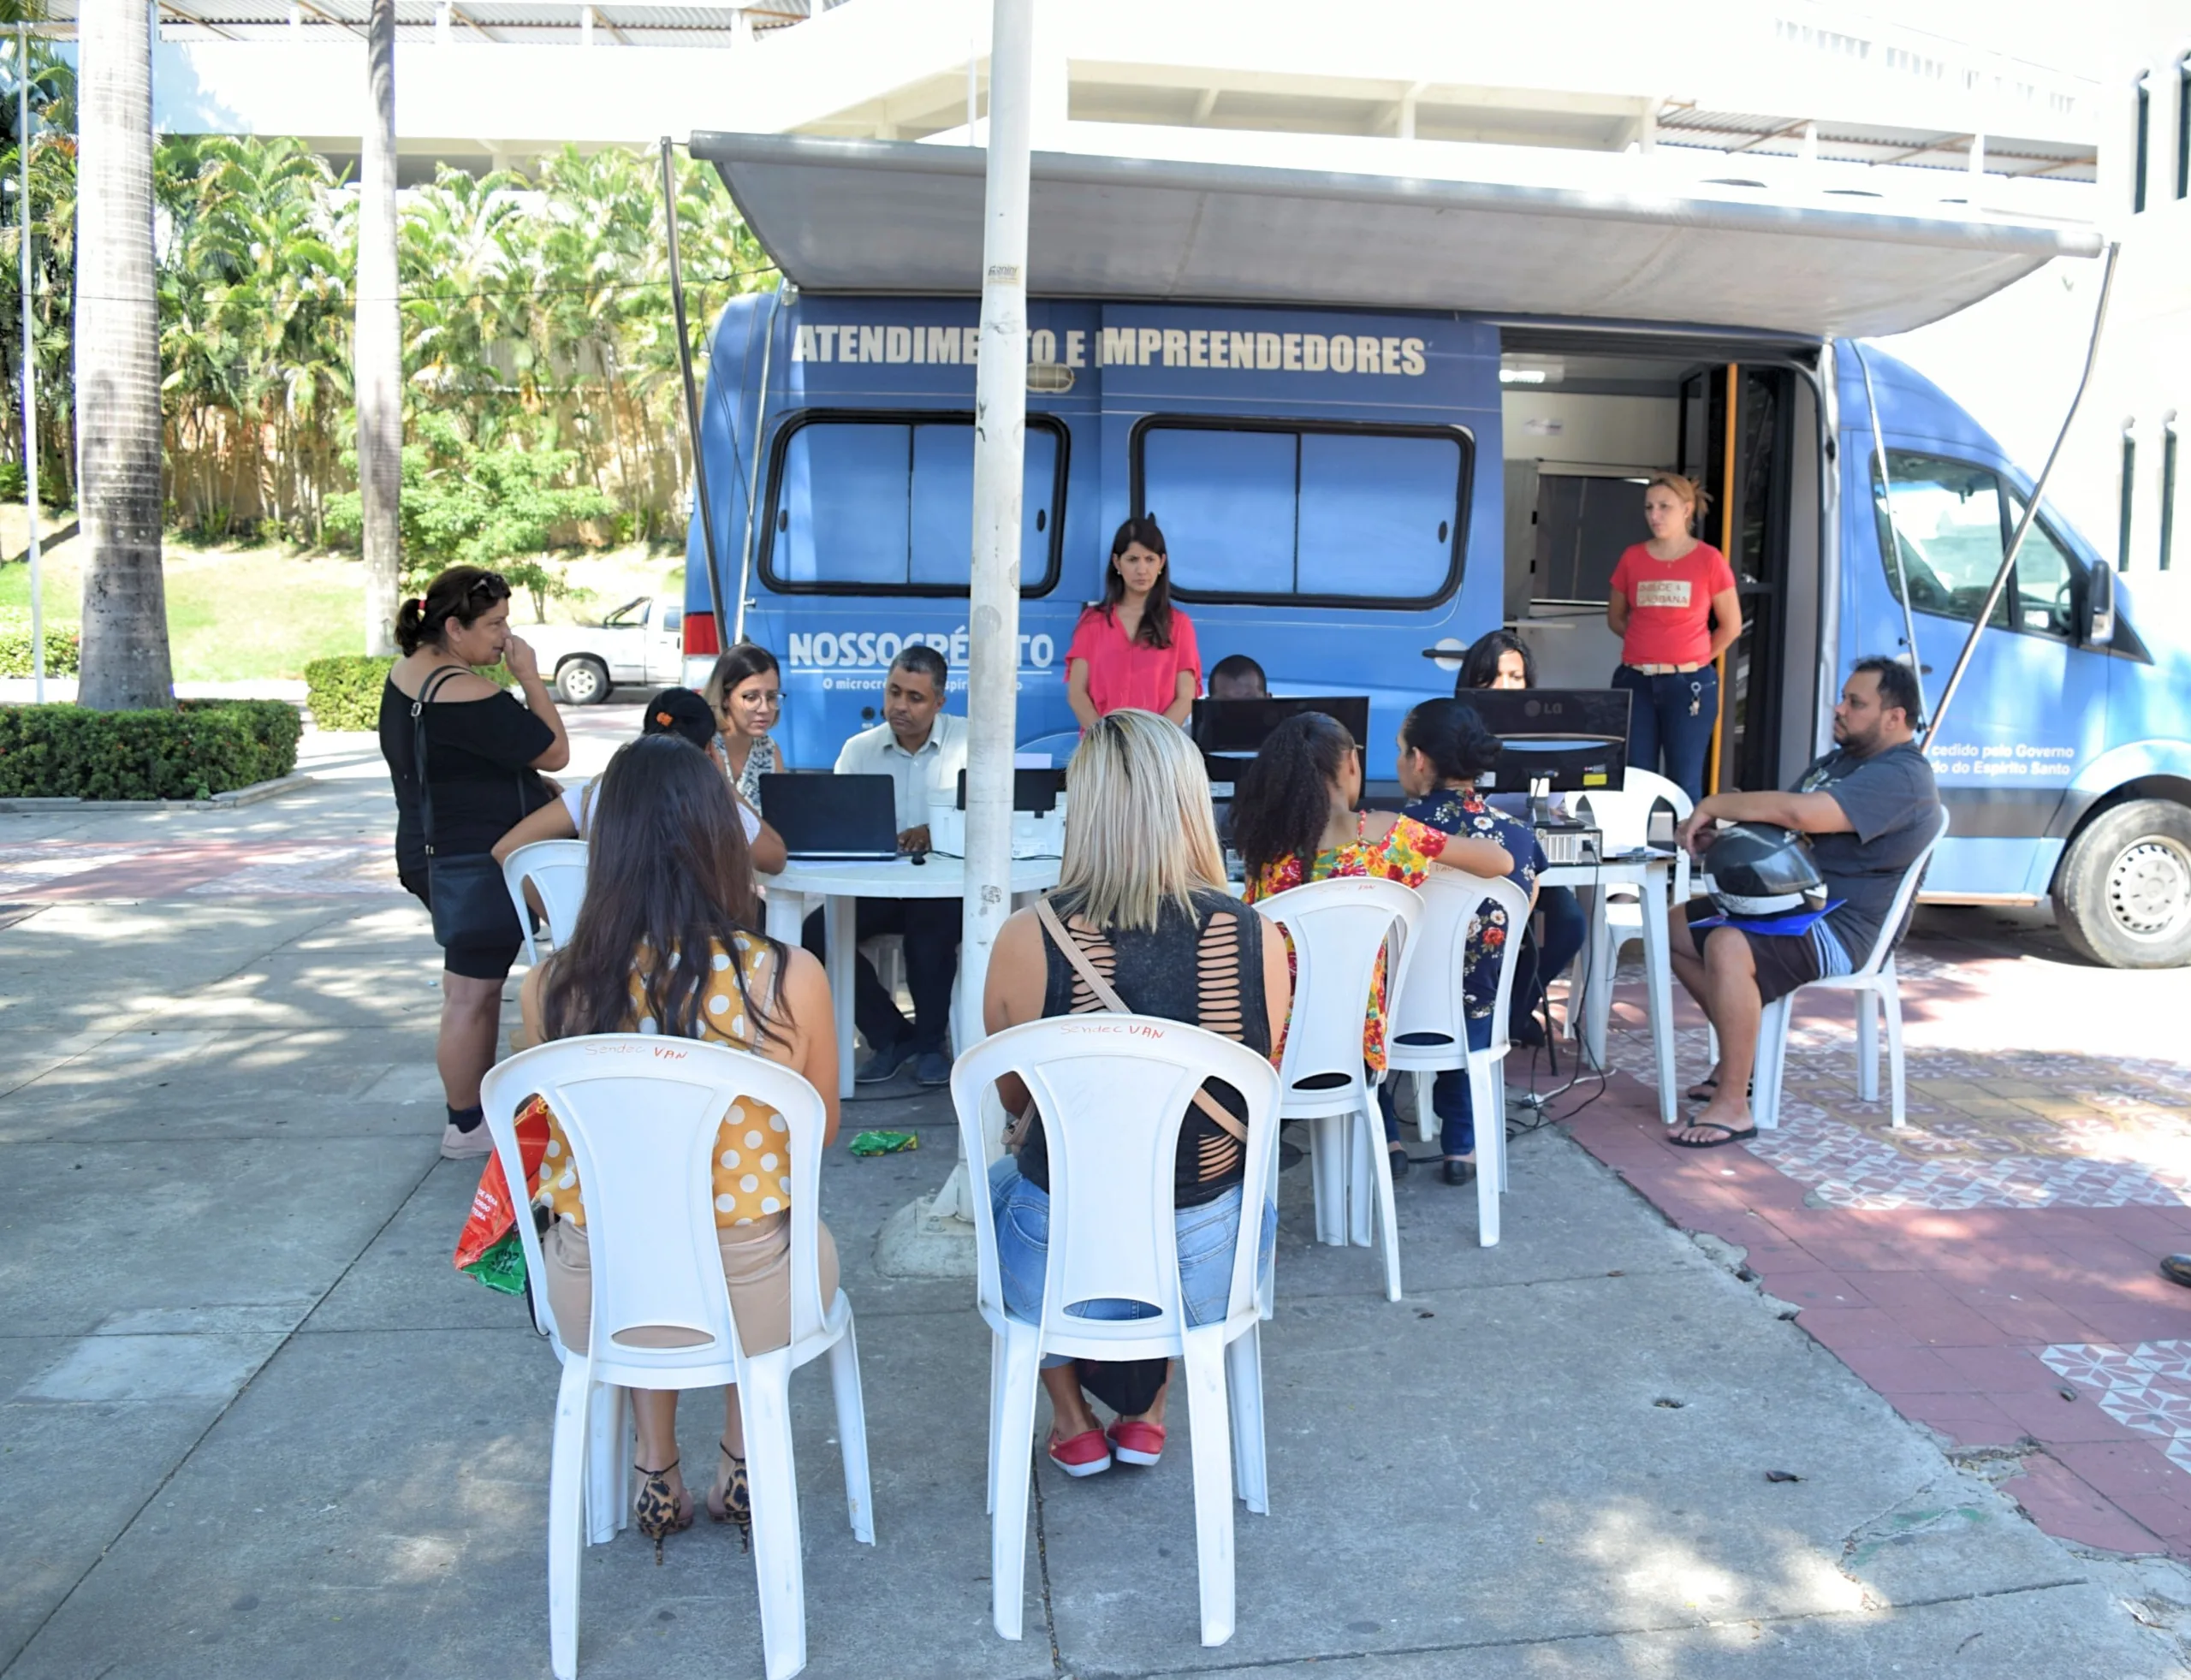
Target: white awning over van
[890, 216]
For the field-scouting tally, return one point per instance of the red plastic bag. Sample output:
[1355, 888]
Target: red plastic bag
[493, 1211]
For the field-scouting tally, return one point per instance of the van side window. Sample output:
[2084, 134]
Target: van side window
[1343, 515]
[1954, 522]
[2047, 580]
[861, 503]
[1946, 517]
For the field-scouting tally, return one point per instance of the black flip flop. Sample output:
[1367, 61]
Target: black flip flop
[1703, 1091]
[1732, 1136]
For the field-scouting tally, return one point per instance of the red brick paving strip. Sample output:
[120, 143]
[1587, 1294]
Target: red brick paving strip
[1945, 1313]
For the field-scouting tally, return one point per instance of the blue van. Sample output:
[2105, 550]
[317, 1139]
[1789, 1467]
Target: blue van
[1351, 496]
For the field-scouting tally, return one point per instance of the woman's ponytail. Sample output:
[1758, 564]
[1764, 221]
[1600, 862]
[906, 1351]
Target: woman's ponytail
[410, 625]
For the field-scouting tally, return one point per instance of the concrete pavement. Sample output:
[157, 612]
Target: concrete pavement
[255, 1425]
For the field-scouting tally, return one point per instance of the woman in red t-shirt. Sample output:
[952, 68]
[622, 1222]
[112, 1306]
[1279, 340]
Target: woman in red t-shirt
[1673, 605]
[1134, 648]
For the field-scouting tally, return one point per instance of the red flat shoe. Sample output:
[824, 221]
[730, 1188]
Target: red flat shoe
[1085, 1454]
[1135, 1442]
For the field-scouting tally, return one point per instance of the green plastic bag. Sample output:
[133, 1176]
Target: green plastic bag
[501, 1268]
[884, 1143]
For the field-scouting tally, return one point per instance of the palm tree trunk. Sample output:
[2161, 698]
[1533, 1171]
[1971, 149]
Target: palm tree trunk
[117, 334]
[377, 346]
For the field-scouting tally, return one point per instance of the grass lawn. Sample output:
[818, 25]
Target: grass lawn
[245, 615]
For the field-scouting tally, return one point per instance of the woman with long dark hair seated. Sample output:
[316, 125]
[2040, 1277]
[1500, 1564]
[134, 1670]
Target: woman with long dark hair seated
[1501, 659]
[1444, 748]
[1294, 821]
[1141, 897]
[670, 873]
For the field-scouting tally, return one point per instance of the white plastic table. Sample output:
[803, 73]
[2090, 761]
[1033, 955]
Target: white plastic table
[837, 886]
[1653, 876]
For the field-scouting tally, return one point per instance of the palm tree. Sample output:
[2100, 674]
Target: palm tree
[377, 347]
[125, 649]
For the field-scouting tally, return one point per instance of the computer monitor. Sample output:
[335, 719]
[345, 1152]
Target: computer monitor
[831, 817]
[1033, 791]
[1230, 733]
[1574, 739]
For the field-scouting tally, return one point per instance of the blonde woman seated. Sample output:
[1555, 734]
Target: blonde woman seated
[670, 872]
[1142, 896]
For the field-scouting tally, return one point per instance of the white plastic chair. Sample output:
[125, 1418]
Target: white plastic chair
[1876, 986]
[557, 869]
[641, 1113]
[1338, 927]
[1426, 1030]
[1113, 1090]
[1623, 819]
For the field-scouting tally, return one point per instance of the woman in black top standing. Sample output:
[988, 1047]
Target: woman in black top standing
[485, 753]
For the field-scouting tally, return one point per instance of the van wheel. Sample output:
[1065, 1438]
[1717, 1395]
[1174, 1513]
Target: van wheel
[2124, 893]
[581, 682]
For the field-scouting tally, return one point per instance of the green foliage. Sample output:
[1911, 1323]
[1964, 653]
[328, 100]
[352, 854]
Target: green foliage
[61, 647]
[200, 749]
[465, 504]
[344, 692]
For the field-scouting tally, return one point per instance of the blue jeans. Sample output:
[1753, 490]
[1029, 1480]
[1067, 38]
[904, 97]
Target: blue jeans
[1543, 961]
[1207, 1235]
[1450, 1099]
[1671, 718]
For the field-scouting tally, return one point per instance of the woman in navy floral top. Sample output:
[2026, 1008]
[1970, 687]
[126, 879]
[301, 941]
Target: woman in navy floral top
[1444, 746]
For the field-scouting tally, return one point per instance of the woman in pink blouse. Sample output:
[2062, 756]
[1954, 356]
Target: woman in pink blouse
[1134, 648]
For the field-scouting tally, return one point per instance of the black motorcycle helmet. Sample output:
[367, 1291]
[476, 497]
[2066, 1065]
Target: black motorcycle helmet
[1754, 869]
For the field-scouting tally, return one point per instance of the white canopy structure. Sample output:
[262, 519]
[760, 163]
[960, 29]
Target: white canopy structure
[872, 216]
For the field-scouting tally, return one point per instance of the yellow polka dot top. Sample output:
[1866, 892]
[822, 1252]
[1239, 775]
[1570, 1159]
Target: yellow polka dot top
[752, 1167]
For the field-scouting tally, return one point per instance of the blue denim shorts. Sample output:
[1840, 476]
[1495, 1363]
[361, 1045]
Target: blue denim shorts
[1207, 1235]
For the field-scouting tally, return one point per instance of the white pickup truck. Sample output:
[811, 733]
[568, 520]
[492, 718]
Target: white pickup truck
[641, 644]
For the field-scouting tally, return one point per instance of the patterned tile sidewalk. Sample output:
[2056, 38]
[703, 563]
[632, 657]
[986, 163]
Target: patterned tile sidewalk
[1989, 1269]
[58, 871]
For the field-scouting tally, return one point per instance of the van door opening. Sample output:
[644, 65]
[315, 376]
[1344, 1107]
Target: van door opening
[1588, 417]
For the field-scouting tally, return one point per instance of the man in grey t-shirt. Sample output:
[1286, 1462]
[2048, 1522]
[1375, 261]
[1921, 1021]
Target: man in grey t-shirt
[1870, 808]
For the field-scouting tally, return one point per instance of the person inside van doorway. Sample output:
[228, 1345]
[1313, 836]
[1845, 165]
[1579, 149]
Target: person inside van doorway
[1133, 648]
[1501, 659]
[1870, 807]
[1673, 605]
[921, 748]
[1236, 677]
[745, 691]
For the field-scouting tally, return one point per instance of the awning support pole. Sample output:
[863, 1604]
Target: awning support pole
[691, 394]
[1886, 496]
[1726, 548]
[2031, 502]
[1000, 454]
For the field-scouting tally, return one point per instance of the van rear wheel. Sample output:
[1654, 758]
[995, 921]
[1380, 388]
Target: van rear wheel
[581, 682]
[2123, 896]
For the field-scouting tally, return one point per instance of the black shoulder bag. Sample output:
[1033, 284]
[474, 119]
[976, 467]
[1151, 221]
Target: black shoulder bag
[471, 904]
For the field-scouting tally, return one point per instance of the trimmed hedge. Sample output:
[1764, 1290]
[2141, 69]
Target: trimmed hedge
[61, 648]
[202, 748]
[344, 691]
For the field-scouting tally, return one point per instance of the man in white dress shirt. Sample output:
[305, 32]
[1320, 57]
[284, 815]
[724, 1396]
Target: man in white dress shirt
[921, 748]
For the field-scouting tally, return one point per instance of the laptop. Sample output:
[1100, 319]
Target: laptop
[833, 816]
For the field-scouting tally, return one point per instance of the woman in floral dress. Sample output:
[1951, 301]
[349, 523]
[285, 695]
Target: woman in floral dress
[1294, 821]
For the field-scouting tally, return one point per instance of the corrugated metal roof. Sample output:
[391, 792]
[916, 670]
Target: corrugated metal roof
[1740, 132]
[874, 216]
[505, 21]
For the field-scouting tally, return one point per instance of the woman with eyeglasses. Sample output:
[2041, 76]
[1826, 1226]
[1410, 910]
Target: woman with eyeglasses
[484, 752]
[747, 693]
